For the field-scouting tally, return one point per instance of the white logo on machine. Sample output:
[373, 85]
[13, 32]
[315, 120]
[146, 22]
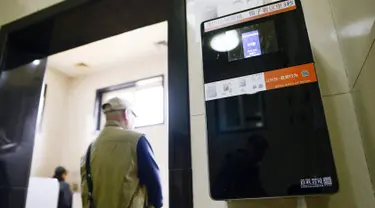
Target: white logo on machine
[317, 182]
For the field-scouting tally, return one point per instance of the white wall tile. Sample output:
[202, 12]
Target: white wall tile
[201, 193]
[366, 80]
[196, 88]
[364, 99]
[355, 24]
[195, 73]
[11, 10]
[333, 80]
[326, 50]
[268, 203]
[354, 179]
[51, 135]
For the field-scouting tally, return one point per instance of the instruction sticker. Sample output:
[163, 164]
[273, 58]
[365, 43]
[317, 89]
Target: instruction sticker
[249, 15]
[254, 83]
[291, 76]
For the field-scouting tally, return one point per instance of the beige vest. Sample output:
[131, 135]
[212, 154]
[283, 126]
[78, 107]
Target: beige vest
[114, 170]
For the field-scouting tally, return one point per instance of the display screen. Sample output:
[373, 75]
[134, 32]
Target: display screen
[255, 40]
[251, 44]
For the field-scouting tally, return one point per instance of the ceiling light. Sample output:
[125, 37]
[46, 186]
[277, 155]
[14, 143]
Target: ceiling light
[36, 62]
[225, 41]
[162, 43]
[81, 65]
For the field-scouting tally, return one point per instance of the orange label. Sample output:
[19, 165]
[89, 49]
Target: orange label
[251, 84]
[291, 76]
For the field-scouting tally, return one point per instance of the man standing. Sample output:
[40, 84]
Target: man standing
[124, 173]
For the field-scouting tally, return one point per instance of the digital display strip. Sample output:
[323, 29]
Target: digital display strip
[249, 15]
[254, 83]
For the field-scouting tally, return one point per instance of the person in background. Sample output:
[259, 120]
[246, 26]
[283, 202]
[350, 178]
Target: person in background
[65, 194]
[124, 172]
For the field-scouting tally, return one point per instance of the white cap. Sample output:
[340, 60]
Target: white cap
[117, 104]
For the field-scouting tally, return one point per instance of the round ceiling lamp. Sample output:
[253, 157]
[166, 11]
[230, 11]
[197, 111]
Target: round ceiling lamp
[226, 41]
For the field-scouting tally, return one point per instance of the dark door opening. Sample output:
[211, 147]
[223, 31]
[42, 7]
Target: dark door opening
[68, 25]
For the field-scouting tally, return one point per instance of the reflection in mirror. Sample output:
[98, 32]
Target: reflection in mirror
[20, 91]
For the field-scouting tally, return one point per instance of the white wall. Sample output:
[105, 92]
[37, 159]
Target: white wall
[363, 96]
[11, 10]
[52, 133]
[356, 35]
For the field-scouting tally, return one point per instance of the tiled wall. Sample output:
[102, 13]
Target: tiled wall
[356, 35]
[11, 10]
[355, 186]
[354, 23]
[359, 52]
[350, 31]
[364, 100]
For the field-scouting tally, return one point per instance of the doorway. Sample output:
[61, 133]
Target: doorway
[79, 80]
[63, 27]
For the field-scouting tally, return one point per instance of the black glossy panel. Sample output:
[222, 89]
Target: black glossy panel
[179, 151]
[273, 143]
[180, 189]
[285, 139]
[17, 197]
[178, 88]
[4, 197]
[3, 37]
[20, 91]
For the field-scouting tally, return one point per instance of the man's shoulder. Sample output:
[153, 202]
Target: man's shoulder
[133, 133]
[130, 134]
[120, 134]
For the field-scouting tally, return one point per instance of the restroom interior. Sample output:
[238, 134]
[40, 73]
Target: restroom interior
[70, 118]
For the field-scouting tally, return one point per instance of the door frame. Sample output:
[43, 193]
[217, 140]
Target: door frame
[180, 170]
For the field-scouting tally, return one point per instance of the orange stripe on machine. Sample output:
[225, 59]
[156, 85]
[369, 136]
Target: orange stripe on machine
[251, 84]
